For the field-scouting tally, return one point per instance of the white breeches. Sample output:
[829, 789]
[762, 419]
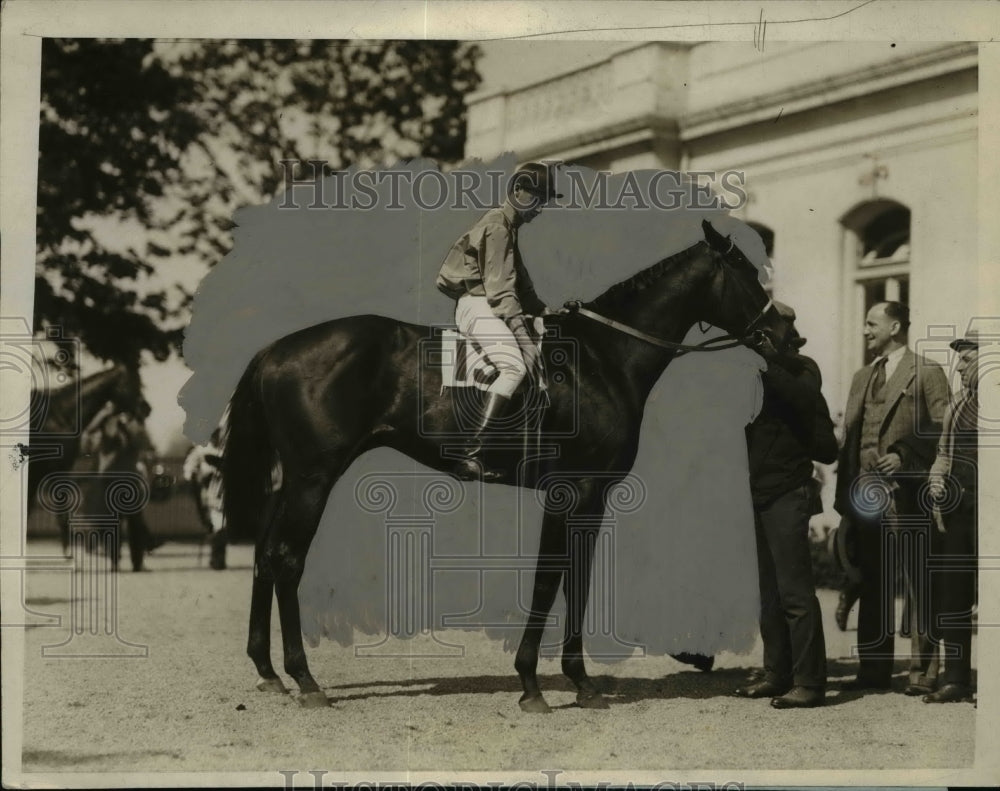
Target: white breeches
[476, 320]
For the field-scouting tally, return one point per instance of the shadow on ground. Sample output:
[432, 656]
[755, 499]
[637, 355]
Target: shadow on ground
[693, 685]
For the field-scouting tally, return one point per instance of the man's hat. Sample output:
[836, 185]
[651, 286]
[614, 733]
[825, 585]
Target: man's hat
[538, 178]
[981, 331]
[785, 311]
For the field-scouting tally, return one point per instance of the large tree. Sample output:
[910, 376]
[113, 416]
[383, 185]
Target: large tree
[159, 142]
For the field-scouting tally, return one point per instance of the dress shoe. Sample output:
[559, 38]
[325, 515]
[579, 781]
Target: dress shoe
[950, 693]
[800, 698]
[913, 689]
[860, 683]
[762, 689]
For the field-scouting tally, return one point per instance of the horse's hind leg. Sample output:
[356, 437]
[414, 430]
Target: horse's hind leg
[259, 640]
[304, 501]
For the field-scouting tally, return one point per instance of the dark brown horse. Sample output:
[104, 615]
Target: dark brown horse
[317, 399]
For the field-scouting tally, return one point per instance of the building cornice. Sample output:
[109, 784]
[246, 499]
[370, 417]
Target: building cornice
[490, 93]
[607, 137]
[823, 92]
[830, 156]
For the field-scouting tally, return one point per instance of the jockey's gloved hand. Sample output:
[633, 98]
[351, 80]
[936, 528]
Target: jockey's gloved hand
[556, 312]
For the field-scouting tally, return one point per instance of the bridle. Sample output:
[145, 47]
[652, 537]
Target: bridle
[750, 336]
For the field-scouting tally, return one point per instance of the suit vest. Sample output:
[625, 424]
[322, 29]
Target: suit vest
[872, 416]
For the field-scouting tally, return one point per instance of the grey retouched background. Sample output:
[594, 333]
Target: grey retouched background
[678, 572]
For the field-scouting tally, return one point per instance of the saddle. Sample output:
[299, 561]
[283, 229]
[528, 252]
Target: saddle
[464, 363]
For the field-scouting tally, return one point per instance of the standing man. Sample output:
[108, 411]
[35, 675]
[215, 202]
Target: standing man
[792, 429]
[117, 443]
[954, 480]
[203, 468]
[892, 426]
[495, 299]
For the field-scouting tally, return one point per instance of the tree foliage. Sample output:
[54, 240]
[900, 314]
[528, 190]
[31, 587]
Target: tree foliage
[146, 149]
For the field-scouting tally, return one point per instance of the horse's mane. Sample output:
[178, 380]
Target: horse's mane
[620, 292]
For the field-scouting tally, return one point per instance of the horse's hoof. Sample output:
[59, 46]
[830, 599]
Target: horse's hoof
[591, 700]
[313, 700]
[535, 705]
[271, 685]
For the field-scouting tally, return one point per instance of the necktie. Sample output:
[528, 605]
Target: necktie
[878, 378]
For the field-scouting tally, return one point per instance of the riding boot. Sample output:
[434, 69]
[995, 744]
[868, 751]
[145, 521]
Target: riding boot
[470, 467]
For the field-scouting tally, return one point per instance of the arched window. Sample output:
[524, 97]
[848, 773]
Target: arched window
[877, 253]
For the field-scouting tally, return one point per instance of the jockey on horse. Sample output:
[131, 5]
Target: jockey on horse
[495, 300]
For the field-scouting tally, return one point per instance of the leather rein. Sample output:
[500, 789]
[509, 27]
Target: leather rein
[716, 344]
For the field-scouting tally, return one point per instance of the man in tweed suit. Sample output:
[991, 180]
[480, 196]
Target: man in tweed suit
[893, 422]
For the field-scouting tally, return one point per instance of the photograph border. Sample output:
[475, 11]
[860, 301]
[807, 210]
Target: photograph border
[26, 22]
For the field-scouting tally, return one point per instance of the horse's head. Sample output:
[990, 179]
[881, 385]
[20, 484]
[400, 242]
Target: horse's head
[739, 304]
[125, 390]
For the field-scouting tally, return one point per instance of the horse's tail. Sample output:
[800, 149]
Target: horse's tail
[248, 457]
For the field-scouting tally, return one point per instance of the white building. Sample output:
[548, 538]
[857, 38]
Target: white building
[860, 160]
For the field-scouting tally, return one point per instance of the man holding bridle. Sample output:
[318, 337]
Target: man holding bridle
[496, 301]
[792, 429]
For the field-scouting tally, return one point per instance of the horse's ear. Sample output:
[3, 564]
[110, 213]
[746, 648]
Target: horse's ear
[727, 248]
[715, 240]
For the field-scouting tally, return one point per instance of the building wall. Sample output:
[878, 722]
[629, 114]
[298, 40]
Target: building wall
[594, 114]
[809, 169]
[819, 130]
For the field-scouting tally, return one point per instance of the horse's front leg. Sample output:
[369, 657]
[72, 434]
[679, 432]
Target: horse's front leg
[582, 530]
[548, 572]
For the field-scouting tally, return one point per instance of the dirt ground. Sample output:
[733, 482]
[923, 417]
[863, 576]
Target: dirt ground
[190, 704]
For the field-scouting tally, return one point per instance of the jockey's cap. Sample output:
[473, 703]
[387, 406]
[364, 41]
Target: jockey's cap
[538, 178]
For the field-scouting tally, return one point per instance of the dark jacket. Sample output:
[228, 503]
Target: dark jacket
[793, 429]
